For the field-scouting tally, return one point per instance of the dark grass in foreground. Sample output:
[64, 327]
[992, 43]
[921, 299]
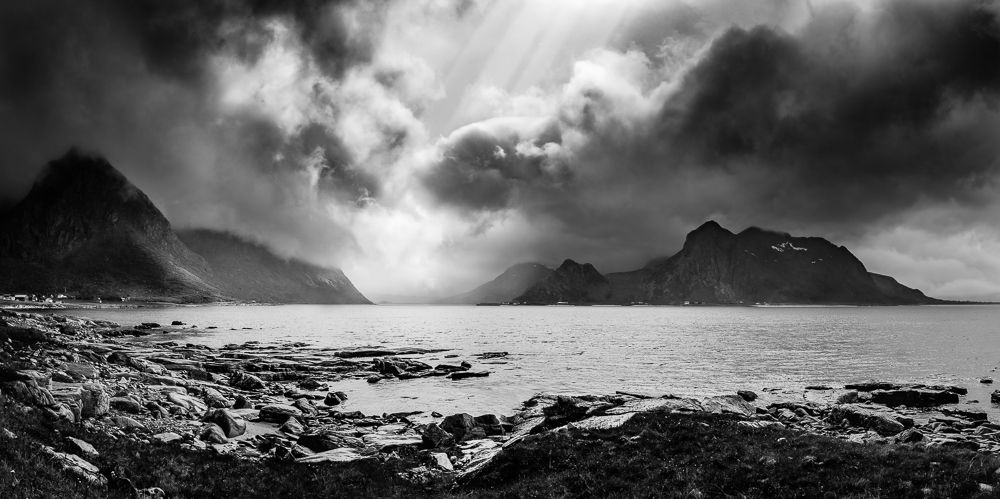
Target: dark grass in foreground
[652, 455]
[658, 454]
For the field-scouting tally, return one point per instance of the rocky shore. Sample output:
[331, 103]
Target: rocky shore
[278, 402]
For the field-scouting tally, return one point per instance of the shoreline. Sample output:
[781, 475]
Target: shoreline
[261, 402]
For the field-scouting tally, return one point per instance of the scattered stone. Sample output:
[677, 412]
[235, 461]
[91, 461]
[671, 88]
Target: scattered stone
[442, 461]
[230, 425]
[211, 433]
[167, 437]
[292, 426]
[278, 413]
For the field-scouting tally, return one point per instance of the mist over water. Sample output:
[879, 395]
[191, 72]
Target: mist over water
[693, 351]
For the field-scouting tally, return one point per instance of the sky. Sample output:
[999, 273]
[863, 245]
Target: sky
[423, 146]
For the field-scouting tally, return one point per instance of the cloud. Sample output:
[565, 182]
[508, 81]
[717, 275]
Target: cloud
[835, 127]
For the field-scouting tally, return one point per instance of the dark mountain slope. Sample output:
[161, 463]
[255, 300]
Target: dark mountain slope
[571, 282]
[85, 228]
[512, 283]
[756, 265]
[250, 271]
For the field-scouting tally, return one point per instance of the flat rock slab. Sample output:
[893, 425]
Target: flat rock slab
[603, 422]
[342, 455]
[387, 442]
[646, 405]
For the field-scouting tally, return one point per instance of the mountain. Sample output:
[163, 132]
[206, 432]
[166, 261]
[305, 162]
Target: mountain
[716, 266]
[86, 230]
[509, 285]
[572, 282]
[252, 272]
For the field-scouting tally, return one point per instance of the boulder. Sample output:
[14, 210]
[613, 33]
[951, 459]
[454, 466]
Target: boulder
[747, 395]
[995, 397]
[241, 403]
[441, 460]
[459, 425]
[914, 397]
[292, 427]
[278, 413]
[305, 406]
[77, 465]
[214, 398]
[95, 400]
[79, 370]
[211, 433]
[866, 418]
[231, 426]
[729, 404]
[910, 436]
[848, 397]
[157, 410]
[332, 399]
[435, 437]
[81, 448]
[869, 386]
[24, 335]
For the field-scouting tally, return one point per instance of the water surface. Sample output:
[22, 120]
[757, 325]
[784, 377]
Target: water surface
[683, 350]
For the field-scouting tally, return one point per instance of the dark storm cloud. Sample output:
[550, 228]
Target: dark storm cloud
[858, 116]
[136, 80]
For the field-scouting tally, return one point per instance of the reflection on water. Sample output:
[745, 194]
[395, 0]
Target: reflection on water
[681, 350]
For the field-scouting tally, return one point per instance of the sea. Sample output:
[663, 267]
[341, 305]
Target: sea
[685, 351]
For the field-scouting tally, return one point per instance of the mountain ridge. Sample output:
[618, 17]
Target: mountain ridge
[85, 229]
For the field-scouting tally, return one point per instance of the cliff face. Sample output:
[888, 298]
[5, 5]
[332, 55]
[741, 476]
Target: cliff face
[243, 269]
[572, 282]
[85, 229]
[509, 285]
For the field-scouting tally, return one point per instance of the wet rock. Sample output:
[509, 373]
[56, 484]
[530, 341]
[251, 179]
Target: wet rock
[244, 381]
[373, 379]
[914, 397]
[435, 437]
[866, 418]
[468, 374]
[965, 413]
[869, 386]
[492, 355]
[849, 397]
[819, 388]
[332, 398]
[278, 413]
[242, 403]
[327, 440]
[312, 384]
[292, 426]
[451, 368]
[747, 395]
[176, 323]
[986, 381]
[230, 425]
[461, 426]
[211, 433]
[81, 448]
[305, 406]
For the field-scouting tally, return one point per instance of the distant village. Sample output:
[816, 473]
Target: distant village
[59, 298]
